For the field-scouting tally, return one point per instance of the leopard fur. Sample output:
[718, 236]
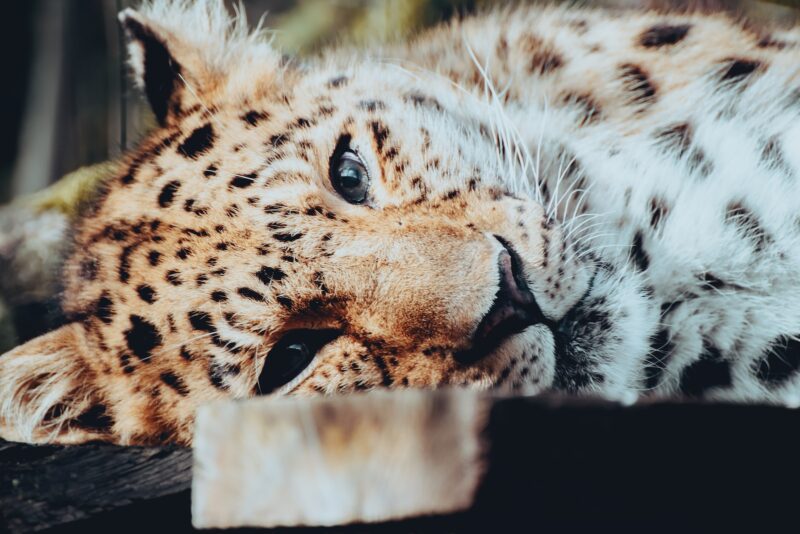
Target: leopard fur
[644, 166]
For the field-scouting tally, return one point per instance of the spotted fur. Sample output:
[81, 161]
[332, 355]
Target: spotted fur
[645, 168]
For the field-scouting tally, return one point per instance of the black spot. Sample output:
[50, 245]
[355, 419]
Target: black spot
[174, 277]
[658, 211]
[636, 81]
[338, 81]
[285, 301]
[95, 419]
[225, 344]
[638, 254]
[591, 110]
[217, 373]
[780, 362]
[419, 99]
[175, 382]
[314, 210]
[772, 155]
[736, 70]
[201, 321]
[712, 282]
[219, 296]
[545, 61]
[201, 279]
[146, 293]
[661, 349]
[186, 354]
[663, 35]
[142, 337]
[243, 181]
[210, 171]
[677, 137]
[104, 308]
[325, 111]
[273, 208]
[770, 42]
[125, 263]
[167, 194]
[708, 372]
[270, 274]
[303, 122]
[380, 133]
[371, 105]
[748, 224]
[89, 268]
[116, 234]
[198, 142]
[154, 257]
[183, 253]
[277, 140]
[250, 294]
[386, 377]
[253, 117]
[287, 238]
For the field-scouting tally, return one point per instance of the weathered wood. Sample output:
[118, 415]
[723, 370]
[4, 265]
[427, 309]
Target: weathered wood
[45, 486]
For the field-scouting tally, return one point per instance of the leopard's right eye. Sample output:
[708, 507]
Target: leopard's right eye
[348, 173]
[290, 356]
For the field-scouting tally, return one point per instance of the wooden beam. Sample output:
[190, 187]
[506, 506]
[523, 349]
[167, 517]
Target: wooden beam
[41, 487]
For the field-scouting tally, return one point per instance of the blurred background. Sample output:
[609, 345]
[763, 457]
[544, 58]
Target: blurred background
[67, 104]
[66, 101]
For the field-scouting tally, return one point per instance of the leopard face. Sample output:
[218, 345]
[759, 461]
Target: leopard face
[236, 232]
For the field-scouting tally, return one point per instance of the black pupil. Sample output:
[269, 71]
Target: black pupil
[349, 175]
[290, 356]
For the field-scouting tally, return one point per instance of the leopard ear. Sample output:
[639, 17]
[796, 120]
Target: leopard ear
[182, 53]
[155, 68]
[48, 392]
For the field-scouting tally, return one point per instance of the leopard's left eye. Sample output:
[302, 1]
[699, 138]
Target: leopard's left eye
[348, 174]
[290, 356]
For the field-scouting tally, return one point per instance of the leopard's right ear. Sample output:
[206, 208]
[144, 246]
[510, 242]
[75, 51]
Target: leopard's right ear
[48, 392]
[182, 53]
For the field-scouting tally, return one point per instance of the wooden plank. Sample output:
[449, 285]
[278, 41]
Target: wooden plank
[45, 486]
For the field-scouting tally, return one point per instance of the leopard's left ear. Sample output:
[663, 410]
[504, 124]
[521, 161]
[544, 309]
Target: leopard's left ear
[182, 53]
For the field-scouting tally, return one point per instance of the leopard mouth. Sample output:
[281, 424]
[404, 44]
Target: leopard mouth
[514, 309]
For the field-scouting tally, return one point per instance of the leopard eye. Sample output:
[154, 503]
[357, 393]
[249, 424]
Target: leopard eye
[348, 173]
[290, 356]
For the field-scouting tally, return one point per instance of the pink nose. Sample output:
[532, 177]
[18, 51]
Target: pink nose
[514, 308]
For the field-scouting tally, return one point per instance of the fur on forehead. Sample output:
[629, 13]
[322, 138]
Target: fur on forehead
[208, 49]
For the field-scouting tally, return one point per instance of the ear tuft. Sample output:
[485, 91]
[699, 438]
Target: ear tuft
[156, 71]
[192, 49]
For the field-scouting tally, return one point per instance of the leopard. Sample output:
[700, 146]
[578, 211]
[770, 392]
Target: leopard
[590, 201]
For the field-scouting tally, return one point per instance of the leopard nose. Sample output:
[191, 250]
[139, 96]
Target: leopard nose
[514, 308]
